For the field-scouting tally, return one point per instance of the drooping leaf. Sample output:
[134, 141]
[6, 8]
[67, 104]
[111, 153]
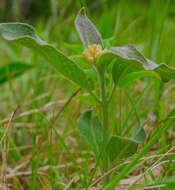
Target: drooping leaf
[90, 130]
[86, 30]
[12, 70]
[121, 147]
[139, 135]
[25, 35]
[129, 54]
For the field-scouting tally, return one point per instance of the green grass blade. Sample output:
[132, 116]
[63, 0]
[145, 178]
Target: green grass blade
[12, 70]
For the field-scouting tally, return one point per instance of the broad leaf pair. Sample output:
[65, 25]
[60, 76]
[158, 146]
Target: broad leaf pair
[91, 131]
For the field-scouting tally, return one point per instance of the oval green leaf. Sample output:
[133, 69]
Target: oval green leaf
[121, 147]
[91, 131]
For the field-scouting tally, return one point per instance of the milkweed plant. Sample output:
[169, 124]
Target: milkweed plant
[127, 63]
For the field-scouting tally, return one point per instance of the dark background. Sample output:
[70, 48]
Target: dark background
[31, 10]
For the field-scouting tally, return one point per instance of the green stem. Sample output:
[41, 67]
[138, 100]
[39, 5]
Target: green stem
[111, 93]
[104, 108]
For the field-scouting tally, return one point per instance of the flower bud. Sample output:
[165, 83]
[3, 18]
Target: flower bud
[92, 52]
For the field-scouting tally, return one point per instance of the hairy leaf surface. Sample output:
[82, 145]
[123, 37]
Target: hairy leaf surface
[87, 31]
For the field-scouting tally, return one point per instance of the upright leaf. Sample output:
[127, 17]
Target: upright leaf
[121, 147]
[91, 131]
[12, 70]
[25, 35]
[86, 30]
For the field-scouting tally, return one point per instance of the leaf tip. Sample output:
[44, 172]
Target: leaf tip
[82, 11]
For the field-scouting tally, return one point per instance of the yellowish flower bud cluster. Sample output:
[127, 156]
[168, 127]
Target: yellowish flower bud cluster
[92, 52]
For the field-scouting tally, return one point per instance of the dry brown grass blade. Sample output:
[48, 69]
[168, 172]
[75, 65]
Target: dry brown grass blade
[33, 111]
[43, 109]
[66, 103]
[4, 151]
[54, 119]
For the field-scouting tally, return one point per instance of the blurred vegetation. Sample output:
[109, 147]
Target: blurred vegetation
[32, 10]
[148, 24]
